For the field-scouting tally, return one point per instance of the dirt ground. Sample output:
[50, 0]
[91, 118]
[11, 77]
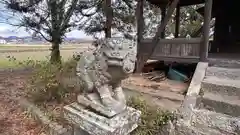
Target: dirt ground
[165, 94]
[13, 121]
[163, 85]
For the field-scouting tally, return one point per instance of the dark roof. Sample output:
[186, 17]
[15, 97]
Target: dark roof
[181, 2]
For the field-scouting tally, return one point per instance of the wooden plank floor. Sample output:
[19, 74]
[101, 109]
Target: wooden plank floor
[193, 59]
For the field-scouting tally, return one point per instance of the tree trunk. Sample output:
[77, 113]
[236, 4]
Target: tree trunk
[55, 54]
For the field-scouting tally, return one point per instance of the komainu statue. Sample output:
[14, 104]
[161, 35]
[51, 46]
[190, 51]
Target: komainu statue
[102, 71]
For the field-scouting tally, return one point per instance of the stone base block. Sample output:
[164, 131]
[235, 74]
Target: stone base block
[92, 123]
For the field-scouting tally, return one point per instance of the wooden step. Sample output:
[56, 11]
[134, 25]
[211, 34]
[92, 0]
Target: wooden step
[222, 86]
[229, 105]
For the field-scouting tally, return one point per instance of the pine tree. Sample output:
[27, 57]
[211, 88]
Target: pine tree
[50, 19]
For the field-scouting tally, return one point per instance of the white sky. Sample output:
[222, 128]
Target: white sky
[8, 30]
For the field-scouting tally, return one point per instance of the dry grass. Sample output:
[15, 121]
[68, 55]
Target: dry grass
[33, 55]
[41, 55]
[12, 48]
[13, 121]
[8, 64]
[16, 46]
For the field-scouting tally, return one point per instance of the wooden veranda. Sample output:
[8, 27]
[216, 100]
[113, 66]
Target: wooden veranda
[186, 50]
[177, 49]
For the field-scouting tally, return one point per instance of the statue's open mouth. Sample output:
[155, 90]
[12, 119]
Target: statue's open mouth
[116, 54]
[115, 62]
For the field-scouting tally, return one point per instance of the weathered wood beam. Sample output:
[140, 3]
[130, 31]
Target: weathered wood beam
[163, 14]
[196, 33]
[162, 26]
[180, 59]
[176, 41]
[206, 30]
[140, 20]
[177, 22]
[109, 18]
[199, 30]
[146, 44]
[140, 30]
[217, 27]
[157, 36]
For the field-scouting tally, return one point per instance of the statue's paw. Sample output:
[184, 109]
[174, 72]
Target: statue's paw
[113, 104]
[109, 102]
[119, 107]
[119, 96]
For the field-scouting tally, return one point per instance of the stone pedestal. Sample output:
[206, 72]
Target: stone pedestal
[87, 122]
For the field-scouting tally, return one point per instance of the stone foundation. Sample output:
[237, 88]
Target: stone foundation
[211, 106]
[86, 122]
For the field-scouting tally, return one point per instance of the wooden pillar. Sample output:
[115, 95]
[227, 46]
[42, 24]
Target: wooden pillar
[214, 46]
[162, 26]
[177, 20]
[206, 30]
[163, 14]
[140, 30]
[109, 18]
[140, 20]
[160, 29]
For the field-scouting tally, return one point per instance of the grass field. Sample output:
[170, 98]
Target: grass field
[43, 47]
[43, 54]
[39, 46]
